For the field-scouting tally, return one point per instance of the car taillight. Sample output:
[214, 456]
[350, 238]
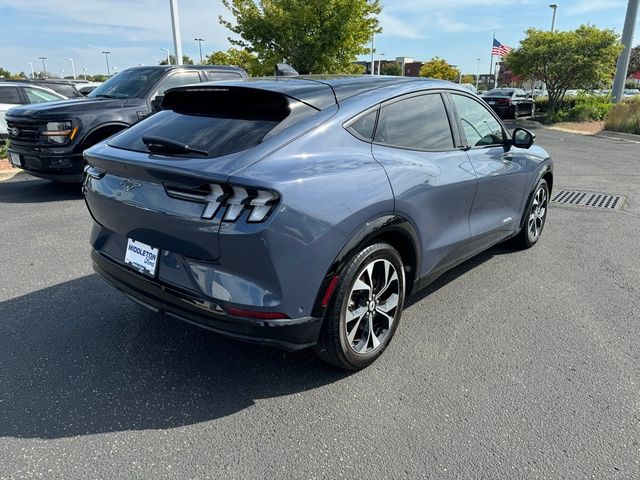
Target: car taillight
[504, 101]
[232, 198]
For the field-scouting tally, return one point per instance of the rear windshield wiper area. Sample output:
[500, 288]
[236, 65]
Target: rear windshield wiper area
[166, 146]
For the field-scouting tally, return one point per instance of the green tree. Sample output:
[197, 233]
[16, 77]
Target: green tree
[584, 58]
[469, 79]
[241, 58]
[186, 60]
[312, 36]
[7, 75]
[391, 68]
[439, 68]
[634, 61]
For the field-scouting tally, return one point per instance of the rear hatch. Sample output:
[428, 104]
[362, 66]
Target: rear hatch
[163, 181]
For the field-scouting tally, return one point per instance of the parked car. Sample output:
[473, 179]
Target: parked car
[16, 93]
[510, 102]
[63, 87]
[49, 139]
[302, 211]
[470, 87]
[631, 92]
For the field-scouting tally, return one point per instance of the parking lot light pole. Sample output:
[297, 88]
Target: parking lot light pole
[623, 59]
[106, 56]
[478, 74]
[554, 6]
[44, 67]
[168, 57]
[175, 24]
[200, 40]
[73, 68]
[33, 74]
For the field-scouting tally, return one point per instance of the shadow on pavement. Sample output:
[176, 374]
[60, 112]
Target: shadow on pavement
[27, 189]
[79, 358]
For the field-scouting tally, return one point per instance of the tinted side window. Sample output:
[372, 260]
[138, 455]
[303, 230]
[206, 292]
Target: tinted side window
[177, 79]
[36, 95]
[418, 123]
[9, 95]
[217, 75]
[479, 125]
[363, 127]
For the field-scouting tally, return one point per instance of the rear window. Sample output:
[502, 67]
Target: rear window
[67, 90]
[499, 93]
[218, 121]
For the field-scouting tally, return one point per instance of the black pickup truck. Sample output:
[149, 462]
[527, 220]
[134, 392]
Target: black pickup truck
[48, 139]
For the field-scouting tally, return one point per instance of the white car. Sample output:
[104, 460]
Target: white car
[13, 94]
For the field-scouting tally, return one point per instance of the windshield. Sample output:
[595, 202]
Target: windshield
[499, 93]
[130, 83]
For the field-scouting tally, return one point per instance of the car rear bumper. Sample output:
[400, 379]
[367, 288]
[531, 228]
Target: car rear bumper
[62, 167]
[288, 334]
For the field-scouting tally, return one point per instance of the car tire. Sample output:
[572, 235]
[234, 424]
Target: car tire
[514, 113]
[365, 309]
[535, 216]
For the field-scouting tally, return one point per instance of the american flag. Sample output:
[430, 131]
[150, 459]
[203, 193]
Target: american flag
[499, 49]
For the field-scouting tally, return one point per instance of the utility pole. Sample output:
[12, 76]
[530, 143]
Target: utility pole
[106, 56]
[44, 67]
[33, 74]
[73, 68]
[554, 6]
[380, 62]
[623, 60]
[200, 40]
[175, 24]
[478, 75]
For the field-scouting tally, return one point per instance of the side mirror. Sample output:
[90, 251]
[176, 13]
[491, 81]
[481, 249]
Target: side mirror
[522, 138]
[156, 102]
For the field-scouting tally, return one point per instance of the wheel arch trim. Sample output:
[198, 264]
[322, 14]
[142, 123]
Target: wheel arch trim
[372, 229]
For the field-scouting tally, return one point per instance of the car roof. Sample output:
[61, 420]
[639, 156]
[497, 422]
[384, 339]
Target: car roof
[322, 91]
[190, 67]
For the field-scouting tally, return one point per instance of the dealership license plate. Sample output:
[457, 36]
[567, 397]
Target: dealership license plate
[142, 257]
[15, 159]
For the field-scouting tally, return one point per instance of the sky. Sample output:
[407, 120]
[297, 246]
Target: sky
[459, 31]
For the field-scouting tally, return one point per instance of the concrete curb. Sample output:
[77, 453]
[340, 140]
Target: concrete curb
[9, 174]
[630, 137]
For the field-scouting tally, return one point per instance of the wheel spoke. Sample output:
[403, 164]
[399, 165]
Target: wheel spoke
[388, 279]
[386, 315]
[360, 285]
[352, 333]
[355, 313]
[375, 341]
[389, 304]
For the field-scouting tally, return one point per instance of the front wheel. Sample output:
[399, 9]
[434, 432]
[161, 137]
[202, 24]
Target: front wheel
[535, 216]
[365, 310]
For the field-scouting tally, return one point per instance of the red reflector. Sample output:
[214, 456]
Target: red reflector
[240, 312]
[330, 288]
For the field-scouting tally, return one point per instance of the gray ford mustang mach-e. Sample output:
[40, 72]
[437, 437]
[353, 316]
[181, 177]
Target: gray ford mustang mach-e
[303, 211]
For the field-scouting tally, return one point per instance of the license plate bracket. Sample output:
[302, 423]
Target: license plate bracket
[142, 257]
[15, 160]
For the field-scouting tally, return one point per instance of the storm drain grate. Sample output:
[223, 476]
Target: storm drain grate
[586, 199]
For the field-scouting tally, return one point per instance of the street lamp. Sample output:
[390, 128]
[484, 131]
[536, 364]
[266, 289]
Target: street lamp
[554, 6]
[33, 75]
[85, 72]
[478, 75]
[44, 67]
[168, 58]
[73, 67]
[106, 56]
[200, 40]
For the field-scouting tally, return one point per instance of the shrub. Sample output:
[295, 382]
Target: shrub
[3, 149]
[624, 117]
[580, 108]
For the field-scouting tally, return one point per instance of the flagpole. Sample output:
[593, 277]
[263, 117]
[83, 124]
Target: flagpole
[491, 63]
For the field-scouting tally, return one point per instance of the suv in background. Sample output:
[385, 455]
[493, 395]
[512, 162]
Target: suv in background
[48, 140]
[13, 94]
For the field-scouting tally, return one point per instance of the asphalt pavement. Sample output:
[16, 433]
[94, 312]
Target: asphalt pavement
[517, 364]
